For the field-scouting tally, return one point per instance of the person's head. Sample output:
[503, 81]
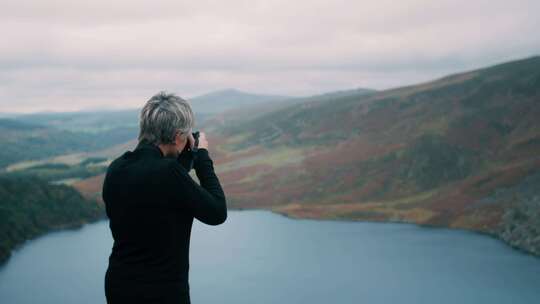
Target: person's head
[166, 120]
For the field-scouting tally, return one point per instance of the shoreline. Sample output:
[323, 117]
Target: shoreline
[291, 216]
[57, 228]
[494, 236]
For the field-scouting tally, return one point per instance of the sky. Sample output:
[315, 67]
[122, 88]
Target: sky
[66, 55]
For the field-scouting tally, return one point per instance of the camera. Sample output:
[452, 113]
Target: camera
[187, 157]
[196, 144]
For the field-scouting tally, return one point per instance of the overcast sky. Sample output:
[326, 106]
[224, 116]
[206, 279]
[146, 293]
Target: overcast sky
[68, 55]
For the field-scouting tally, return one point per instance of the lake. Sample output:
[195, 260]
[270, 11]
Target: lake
[261, 257]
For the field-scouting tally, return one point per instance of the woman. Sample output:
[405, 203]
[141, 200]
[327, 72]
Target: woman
[151, 201]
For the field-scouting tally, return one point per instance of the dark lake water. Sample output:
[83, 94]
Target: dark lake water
[261, 257]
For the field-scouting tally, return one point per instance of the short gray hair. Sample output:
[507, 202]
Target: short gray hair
[163, 116]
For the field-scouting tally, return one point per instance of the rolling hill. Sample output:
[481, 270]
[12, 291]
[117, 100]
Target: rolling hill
[461, 151]
[39, 138]
[84, 121]
[23, 141]
[107, 120]
[233, 116]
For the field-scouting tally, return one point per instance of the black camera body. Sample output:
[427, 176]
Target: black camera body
[196, 145]
[188, 154]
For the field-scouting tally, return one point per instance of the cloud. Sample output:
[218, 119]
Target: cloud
[69, 55]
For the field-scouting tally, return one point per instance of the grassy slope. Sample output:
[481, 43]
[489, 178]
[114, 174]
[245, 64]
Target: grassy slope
[461, 151]
[436, 154]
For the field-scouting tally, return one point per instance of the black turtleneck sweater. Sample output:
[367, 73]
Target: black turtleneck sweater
[151, 201]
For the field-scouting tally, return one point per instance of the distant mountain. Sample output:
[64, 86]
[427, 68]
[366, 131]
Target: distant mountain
[229, 99]
[238, 116]
[22, 140]
[38, 136]
[102, 120]
[85, 121]
[329, 96]
[7, 115]
[12, 124]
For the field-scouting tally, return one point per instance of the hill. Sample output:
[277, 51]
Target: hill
[40, 136]
[84, 121]
[22, 140]
[235, 116]
[30, 207]
[461, 151]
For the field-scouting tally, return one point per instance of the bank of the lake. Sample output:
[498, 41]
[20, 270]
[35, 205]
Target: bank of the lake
[262, 257]
[31, 207]
[519, 227]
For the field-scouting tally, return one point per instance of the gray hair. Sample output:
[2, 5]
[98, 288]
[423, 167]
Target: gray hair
[163, 116]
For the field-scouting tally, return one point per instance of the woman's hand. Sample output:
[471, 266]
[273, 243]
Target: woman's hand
[190, 141]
